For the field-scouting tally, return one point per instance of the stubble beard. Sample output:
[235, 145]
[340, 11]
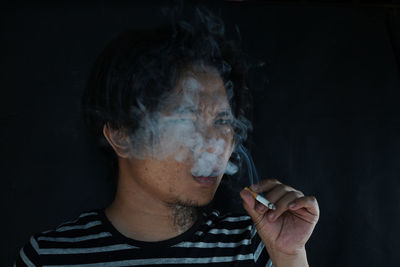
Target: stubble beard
[184, 214]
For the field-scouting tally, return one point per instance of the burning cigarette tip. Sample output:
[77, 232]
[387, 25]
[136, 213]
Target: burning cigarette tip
[261, 199]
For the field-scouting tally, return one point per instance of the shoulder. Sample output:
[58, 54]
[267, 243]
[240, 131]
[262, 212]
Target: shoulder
[86, 226]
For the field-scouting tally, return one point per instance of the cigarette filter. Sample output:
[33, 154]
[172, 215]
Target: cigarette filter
[261, 199]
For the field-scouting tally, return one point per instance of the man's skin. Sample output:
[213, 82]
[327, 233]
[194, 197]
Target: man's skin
[157, 199]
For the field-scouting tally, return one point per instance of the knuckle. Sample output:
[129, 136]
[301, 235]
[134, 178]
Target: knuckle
[281, 187]
[287, 188]
[273, 180]
[258, 219]
[313, 199]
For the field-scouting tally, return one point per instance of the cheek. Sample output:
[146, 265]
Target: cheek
[228, 146]
[169, 175]
[228, 131]
[174, 169]
[228, 151]
[227, 135]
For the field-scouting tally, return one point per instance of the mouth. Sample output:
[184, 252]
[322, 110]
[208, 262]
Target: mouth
[206, 180]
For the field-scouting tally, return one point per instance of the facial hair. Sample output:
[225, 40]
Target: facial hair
[184, 214]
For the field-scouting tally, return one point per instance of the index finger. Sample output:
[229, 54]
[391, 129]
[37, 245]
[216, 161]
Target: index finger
[264, 185]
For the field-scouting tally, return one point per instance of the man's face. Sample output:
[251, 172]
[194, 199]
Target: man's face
[193, 141]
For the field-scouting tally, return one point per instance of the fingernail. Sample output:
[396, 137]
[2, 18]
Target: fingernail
[271, 216]
[292, 205]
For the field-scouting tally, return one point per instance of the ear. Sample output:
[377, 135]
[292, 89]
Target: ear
[118, 140]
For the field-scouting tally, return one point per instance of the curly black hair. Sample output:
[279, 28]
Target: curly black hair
[138, 67]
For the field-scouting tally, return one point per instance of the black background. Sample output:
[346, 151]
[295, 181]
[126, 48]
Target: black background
[326, 116]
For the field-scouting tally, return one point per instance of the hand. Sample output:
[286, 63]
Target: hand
[286, 229]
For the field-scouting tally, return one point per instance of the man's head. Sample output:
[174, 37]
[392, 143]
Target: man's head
[168, 103]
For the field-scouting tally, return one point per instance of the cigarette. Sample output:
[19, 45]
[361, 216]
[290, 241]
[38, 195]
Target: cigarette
[261, 199]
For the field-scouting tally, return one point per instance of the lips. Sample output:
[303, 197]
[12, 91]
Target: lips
[204, 180]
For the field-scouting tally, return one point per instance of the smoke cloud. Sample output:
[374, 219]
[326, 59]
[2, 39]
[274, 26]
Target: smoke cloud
[192, 124]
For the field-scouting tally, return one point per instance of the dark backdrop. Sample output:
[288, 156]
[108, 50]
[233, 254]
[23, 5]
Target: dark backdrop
[326, 116]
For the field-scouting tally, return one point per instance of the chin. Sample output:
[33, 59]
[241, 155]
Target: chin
[195, 201]
[203, 200]
[199, 196]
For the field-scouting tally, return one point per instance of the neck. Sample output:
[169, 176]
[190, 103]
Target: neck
[138, 215]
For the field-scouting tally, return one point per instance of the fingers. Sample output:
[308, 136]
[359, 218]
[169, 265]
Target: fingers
[282, 204]
[264, 185]
[256, 210]
[249, 204]
[284, 197]
[308, 202]
[278, 191]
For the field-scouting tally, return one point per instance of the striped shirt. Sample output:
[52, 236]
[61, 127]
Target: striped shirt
[91, 240]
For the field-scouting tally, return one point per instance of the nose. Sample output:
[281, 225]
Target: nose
[215, 145]
[210, 138]
[211, 149]
[213, 141]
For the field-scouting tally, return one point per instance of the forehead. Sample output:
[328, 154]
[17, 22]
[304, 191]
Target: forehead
[201, 87]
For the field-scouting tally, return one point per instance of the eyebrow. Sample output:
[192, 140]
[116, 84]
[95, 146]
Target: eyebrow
[227, 113]
[186, 109]
[190, 109]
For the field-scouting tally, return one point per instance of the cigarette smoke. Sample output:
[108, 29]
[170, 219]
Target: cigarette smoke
[251, 168]
[184, 133]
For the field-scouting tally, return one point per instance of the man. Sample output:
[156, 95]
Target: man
[168, 106]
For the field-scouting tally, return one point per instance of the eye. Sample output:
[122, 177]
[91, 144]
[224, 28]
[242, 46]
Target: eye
[223, 122]
[187, 110]
[182, 120]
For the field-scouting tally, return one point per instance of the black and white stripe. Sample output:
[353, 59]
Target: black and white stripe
[91, 240]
